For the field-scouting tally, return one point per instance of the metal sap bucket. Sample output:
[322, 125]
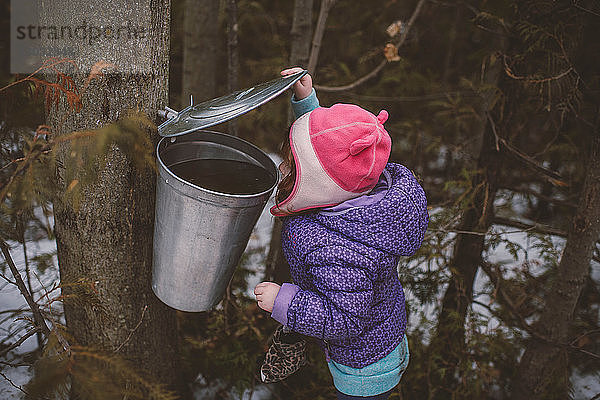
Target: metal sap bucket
[201, 234]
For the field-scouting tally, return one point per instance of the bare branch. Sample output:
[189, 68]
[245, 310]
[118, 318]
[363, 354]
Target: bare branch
[383, 63]
[19, 342]
[133, 330]
[15, 365]
[13, 384]
[497, 280]
[7, 279]
[40, 322]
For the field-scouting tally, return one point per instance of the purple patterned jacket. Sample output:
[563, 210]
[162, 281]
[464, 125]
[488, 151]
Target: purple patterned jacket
[344, 261]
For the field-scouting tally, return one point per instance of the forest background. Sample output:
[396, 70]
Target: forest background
[493, 104]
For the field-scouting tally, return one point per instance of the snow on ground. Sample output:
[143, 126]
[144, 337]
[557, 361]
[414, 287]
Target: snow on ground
[11, 299]
[584, 386]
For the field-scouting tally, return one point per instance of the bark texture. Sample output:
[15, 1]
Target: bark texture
[107, 239]
[542, 372]
[301, 33]
[277, 268]
[233, 57]
[200, 49]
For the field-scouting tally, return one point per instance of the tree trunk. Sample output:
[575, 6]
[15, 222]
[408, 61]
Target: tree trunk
[277, 268]
[542, 372]
[301, 33]
[233, 57]
[447, 348]
[107, 238]
[319, 32]
[200, 46]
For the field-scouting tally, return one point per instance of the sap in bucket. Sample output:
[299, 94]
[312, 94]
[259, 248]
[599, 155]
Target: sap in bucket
[211, 189]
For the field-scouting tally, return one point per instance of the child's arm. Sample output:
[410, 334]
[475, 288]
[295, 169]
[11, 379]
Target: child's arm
[340, 305]
[305, 98]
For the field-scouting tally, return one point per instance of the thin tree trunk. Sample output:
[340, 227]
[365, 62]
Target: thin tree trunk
[200, 46]
[233, 59]
[277, 268]
[107, 239]
[21, 229]
[301, 33]
[447, 348]
[319, 32]
[542, 372]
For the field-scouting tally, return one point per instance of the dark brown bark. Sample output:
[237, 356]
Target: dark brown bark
[277, 268]
[447, 348]
[107, 238]
[542, 372]
[301, 33]
[319, 32]
[233, 58]
[200, 49]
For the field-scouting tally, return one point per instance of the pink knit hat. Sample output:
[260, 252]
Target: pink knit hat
[339, 153]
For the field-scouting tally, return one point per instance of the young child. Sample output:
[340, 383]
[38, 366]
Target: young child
[348, 215]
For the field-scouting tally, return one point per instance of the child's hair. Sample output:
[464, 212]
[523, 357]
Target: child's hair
[285, 187]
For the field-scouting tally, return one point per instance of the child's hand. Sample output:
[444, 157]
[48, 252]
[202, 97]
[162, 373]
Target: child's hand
[265, 293]
[303, 87]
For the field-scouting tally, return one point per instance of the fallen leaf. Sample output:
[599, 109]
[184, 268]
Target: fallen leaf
[395, 28]
[391, 52]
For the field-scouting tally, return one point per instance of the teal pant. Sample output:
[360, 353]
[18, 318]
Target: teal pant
[374, 380]
[382, 396]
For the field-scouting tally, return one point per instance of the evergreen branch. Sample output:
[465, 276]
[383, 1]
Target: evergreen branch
[551, 176]
[51, 64]
[493, 125]
[487, 268]
[523, 227]
[15, 365]
[13, 311]
[40, 130]
[27, 160]
[587, 10]
[383, 63]
[541, 196]
[122, 368]
[538, 228]
[588, 333]
[40, 322]
[509, 72]
[20, 341]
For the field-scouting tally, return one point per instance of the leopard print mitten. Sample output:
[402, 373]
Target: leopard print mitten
[286, 355]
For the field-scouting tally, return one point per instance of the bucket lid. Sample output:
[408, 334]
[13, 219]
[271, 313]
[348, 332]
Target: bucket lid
[221, 109]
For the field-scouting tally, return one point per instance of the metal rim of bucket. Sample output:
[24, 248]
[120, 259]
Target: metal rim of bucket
[272, 187]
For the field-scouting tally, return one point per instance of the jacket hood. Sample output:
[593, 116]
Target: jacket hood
[392, 218]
